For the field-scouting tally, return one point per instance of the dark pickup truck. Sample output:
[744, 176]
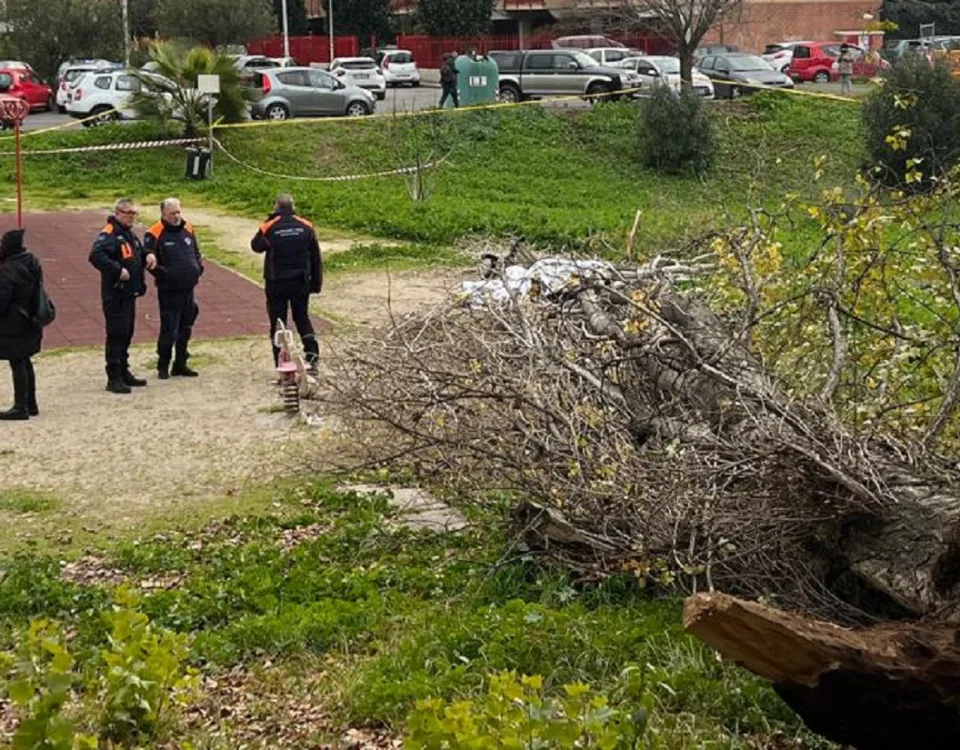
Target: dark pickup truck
[557, 72]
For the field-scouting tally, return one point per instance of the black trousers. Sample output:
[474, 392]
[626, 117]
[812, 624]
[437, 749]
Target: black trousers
[294, 296]
[120, 314]
[24, 384]
[450, 91]
[178, 313]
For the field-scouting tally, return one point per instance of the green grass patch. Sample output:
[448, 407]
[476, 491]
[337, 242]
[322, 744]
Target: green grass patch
[333, 581]
[557, 177]
[397, 257]
[28, 501]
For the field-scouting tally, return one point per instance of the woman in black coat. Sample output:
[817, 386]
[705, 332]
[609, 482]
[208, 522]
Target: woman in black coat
[20, 277]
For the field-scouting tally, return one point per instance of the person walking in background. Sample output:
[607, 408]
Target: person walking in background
[448, 80]
[20, 278]
[179, 266]
[845, 66]
[292, 270]
[118, 255]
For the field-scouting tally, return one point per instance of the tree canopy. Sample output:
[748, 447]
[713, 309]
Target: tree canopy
[454, 17]
[364, 18]
[216, 22]
[910, 14]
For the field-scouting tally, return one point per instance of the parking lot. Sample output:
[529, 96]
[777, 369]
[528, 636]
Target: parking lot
[408, 99]
[403, 100]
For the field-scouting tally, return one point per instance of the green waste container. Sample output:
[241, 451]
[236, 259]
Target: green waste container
[478, 79]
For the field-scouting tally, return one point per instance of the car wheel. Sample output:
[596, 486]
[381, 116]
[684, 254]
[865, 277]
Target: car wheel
[277, 112]
[100, 116]
[357, 109]
[51, 103]
[822, 77]
[597, 93]
[415, 84]
[62, 110]
[509, 94]
[381, 95]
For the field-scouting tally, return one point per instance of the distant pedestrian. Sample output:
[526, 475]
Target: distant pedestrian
[118, 255]
[448, 81]
[178, 270]
[292, 270]
[20, 278]
[845, 66]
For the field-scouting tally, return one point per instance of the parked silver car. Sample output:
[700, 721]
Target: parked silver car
[280, 93]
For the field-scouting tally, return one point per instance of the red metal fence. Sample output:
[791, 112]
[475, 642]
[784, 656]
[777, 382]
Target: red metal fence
[428, 51]
[307, 49]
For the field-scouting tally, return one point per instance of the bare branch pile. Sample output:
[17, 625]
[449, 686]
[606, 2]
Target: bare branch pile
[639, 432]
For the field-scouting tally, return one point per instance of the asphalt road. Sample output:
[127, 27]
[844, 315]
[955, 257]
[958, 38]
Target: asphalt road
[408, 99]
[403, 100]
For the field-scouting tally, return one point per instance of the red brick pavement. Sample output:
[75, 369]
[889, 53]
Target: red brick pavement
[230, 305]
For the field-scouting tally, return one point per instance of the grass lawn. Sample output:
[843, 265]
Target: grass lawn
[568, 178]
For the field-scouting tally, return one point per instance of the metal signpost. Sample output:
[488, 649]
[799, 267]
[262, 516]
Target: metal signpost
[15, 111]
[209, 85]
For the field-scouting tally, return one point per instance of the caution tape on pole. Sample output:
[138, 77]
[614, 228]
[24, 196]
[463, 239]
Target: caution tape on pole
[126, 146]
[330, 178]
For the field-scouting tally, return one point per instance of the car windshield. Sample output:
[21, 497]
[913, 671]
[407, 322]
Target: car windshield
[668, 65]
[747, 63]
[401, 58]
[772, 49]
[358, 64]
[583, 58]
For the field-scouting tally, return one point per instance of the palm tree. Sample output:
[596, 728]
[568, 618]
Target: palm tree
[169, 87]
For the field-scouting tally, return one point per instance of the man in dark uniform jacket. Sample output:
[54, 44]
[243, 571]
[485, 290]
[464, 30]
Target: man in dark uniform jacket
[118, 255]
[293, 270]
[179, 268]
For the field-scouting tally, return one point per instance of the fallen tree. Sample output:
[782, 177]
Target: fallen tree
[883, 688]
[719, 417]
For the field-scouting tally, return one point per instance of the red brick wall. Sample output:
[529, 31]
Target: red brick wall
[760, 23]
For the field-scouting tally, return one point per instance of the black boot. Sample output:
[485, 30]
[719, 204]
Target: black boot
[32, 407]
[163, 370]
[131, 380]
[115, 382]
[19, 412]
[180, 370]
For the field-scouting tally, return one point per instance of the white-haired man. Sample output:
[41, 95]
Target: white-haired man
[178, 268]
[119, 257]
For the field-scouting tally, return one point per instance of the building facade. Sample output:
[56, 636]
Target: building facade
[756, 24]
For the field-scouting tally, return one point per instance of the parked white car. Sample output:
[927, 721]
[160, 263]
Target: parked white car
[609, 57]
[779, 55]
[285, 62]
[661, 70]
[361, 72]
[73, 73]
[105, 93]
[399, 68]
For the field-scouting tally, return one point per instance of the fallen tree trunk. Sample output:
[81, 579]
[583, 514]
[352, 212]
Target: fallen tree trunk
[890, 687]
[643, 429]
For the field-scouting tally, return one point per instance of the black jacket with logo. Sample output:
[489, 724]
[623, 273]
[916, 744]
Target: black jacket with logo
[291, 249]
[179, 262]
[116, 248]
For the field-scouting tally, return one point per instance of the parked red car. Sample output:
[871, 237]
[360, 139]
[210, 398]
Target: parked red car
[28, 87]
[813, 61]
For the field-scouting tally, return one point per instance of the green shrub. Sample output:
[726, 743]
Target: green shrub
[516, 713]
[43, 678]
[144, 673]
[677, 134]
[912, 123]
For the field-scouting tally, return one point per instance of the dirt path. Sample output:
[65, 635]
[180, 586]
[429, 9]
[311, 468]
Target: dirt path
[175, 447]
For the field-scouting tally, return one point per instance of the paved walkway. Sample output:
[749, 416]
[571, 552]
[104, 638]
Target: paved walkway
[230, 305]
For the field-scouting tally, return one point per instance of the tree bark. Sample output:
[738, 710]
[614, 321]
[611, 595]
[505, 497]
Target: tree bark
[885, 688]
